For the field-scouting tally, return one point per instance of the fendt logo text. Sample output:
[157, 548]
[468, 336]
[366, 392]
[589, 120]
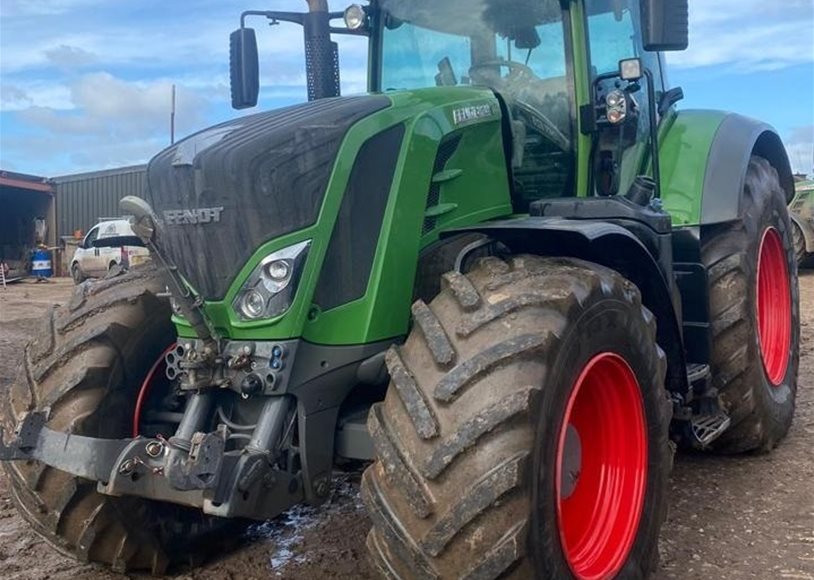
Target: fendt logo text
[202, 215]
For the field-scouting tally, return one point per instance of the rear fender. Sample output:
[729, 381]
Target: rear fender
[704, 156]
[609, 245]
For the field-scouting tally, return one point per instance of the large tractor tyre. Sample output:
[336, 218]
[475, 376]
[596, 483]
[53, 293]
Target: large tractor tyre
[87, 364]
[799, 243]
[755, 315]
[525, 432]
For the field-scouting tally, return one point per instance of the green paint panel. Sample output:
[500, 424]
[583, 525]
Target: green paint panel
[479, 191]
[475, 189]
[582, 88]
[684, 145]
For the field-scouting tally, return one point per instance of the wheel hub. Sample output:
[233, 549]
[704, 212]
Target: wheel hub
[571, 462]
[601, 467]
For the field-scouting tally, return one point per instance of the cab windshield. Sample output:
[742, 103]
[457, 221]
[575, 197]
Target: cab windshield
[517, 48]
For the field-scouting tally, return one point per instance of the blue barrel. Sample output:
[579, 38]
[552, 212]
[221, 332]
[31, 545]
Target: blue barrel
[41, 264]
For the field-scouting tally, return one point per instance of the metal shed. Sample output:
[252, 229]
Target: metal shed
[83, 198]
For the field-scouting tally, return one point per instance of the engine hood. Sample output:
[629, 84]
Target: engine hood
[223, 192]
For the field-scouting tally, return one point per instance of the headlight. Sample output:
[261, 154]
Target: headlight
[355, 17]
[616, 102]
[253, 304]
[270, 289]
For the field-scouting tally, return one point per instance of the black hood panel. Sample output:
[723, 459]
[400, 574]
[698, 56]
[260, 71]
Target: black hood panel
[227, 190]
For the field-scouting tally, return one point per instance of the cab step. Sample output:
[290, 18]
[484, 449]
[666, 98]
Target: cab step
[697, 373]
[700, 418]
[707, 428]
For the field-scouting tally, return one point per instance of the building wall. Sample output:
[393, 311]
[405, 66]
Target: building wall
[83, 198]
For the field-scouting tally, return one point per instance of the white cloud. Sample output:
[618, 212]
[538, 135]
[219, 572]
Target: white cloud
[103, 122]
[87, 82]
[748, 35]
[104, 105]
[68, 57]
[22, 95]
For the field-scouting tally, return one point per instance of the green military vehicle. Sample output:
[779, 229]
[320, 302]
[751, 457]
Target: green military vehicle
[801, 210]
[513, 275]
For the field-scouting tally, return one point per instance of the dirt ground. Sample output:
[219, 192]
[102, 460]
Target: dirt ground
[730, 518]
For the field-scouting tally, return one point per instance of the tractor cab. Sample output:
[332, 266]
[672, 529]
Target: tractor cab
[554, 87]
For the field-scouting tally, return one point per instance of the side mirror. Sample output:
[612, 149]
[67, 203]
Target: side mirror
[446, 74]
[665, 25]
[244, 68]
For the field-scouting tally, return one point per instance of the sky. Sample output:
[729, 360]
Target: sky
[86, 84]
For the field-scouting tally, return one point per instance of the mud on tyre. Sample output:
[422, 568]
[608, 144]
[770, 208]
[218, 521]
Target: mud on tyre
[473, 432]
[755, 315]
[86, 364]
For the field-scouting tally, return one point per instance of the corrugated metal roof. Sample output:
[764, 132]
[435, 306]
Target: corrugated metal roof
[25, 181]
[83, 198]
[100, 173]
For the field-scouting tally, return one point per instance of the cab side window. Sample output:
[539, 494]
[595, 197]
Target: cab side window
[542, 102]
[614, 35]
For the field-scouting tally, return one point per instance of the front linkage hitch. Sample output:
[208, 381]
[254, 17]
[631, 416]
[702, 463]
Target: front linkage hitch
[202, 475]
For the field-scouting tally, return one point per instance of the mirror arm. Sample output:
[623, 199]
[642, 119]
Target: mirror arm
[348, 32]
[293, 17]
[669, 99]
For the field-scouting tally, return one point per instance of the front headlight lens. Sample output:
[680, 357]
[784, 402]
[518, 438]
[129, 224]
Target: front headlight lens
[270, 290]
[616, 102]
[279, 270]
[253, 304]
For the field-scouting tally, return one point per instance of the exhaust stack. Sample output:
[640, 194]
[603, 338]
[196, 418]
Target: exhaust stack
[321, 53]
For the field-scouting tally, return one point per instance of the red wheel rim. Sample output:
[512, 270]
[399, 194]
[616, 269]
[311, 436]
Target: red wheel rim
[601, 474]
[773, 306]
[154, 375]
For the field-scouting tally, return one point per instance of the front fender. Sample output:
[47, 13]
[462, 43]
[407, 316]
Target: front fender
[612, 246]
[704, 156]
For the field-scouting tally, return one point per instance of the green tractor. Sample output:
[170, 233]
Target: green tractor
[513, 276]
[801, 210]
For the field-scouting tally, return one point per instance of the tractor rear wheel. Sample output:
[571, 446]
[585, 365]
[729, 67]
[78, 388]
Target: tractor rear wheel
[525, 430]
[755, 316]
[87, 364]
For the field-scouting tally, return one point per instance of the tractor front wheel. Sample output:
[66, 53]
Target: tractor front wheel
[90, 364]
[525, 432]
[755, 315]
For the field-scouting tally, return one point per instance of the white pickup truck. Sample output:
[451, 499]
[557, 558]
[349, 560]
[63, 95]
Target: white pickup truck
[90, 261]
